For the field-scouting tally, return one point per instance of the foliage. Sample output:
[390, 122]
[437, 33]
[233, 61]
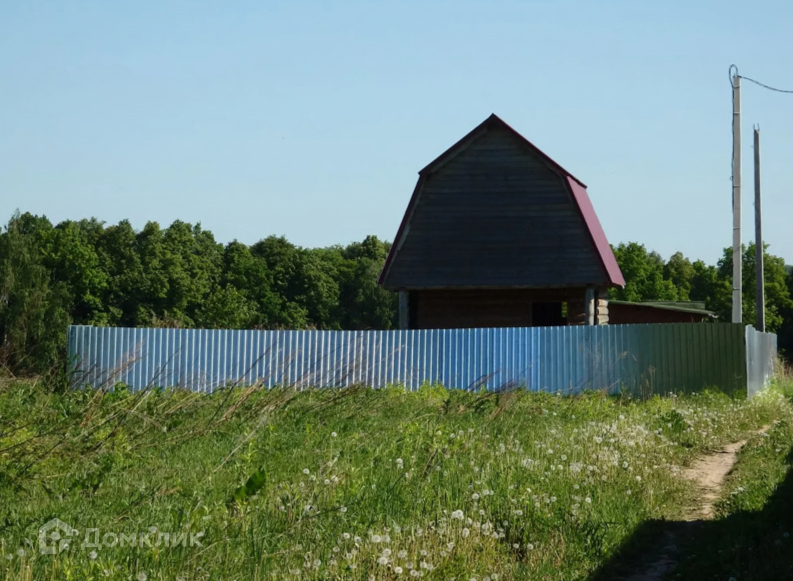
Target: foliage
[348, 483]
[648, 278]
[86, 272]
[33, 308]
[644, 275]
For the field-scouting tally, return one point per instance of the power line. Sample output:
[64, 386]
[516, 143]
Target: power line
[765, 86]
[770, 88]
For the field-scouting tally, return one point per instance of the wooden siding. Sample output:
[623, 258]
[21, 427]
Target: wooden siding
[495, 215]
[460, 309]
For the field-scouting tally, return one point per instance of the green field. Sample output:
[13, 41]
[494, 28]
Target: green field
[363, 484]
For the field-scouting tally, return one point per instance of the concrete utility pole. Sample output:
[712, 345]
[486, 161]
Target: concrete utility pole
[737, 306]
[758, 236]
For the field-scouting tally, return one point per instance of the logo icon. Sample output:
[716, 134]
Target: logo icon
[55, 536]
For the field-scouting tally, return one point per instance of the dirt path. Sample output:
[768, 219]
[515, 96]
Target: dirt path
[709, 473]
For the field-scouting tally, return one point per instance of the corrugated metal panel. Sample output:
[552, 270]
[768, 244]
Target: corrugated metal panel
[761, 355]
[642, 359]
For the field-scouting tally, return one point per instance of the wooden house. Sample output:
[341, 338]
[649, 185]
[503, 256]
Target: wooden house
[497, 234]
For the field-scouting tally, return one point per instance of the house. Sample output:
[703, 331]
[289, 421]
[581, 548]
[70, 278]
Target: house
[626, 313]
[497, 234]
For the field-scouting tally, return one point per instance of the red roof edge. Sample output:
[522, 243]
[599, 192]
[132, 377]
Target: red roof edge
[596, 232]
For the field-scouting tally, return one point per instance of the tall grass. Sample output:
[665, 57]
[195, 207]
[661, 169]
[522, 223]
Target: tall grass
[348, 483]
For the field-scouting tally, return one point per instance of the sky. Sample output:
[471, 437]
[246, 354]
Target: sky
[311, 119]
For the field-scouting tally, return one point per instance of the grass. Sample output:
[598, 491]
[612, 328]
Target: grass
[356, 483]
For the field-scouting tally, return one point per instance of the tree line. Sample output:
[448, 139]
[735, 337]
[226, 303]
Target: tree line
[85, 272]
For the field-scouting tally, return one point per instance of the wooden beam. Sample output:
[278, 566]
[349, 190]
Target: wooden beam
[404, 312]
[589, 306]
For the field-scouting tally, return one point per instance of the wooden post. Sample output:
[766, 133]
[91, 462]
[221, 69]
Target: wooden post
[590, 307]
[404, 311]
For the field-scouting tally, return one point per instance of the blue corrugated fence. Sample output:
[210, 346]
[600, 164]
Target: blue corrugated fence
[639, 358]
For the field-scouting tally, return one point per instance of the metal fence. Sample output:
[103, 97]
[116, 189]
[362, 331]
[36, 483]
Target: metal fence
[761, 356]
[642, 359]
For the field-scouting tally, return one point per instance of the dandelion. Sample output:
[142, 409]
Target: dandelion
[529, 547]
[142, 576]
[475, 496]
[386, 553]
[316, 563]
[628, 492]
[345, 536]
[465, 533]
[458, 515]
[21, 552]
[398, 570]
[638, 479]
[588, 500]
[333, 434]
[624, 464]
[306, 471]
[336, 549]
[415, 573]
[382, 561]
[402, 554]
[376, 538]
[342, 509]
[450, 545]
[327, 481]
[518, 513]
[92, 555]
[516, 545]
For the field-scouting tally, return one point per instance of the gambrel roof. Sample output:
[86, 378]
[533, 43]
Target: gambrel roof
[493, 211]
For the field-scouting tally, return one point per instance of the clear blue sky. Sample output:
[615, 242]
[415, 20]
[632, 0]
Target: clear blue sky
[311, 119]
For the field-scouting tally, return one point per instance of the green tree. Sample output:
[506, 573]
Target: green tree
[363, 303]
[680, 272]
[125, 290]
[777, 295]
[33, 313]
[73, 260]
[644, 275]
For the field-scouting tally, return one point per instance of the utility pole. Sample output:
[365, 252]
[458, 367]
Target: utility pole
[758, 236]
[737, 310]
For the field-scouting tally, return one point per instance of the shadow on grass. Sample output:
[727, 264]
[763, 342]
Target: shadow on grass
[747, 545]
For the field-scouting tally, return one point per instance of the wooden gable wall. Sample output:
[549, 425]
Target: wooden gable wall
[495, 215]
